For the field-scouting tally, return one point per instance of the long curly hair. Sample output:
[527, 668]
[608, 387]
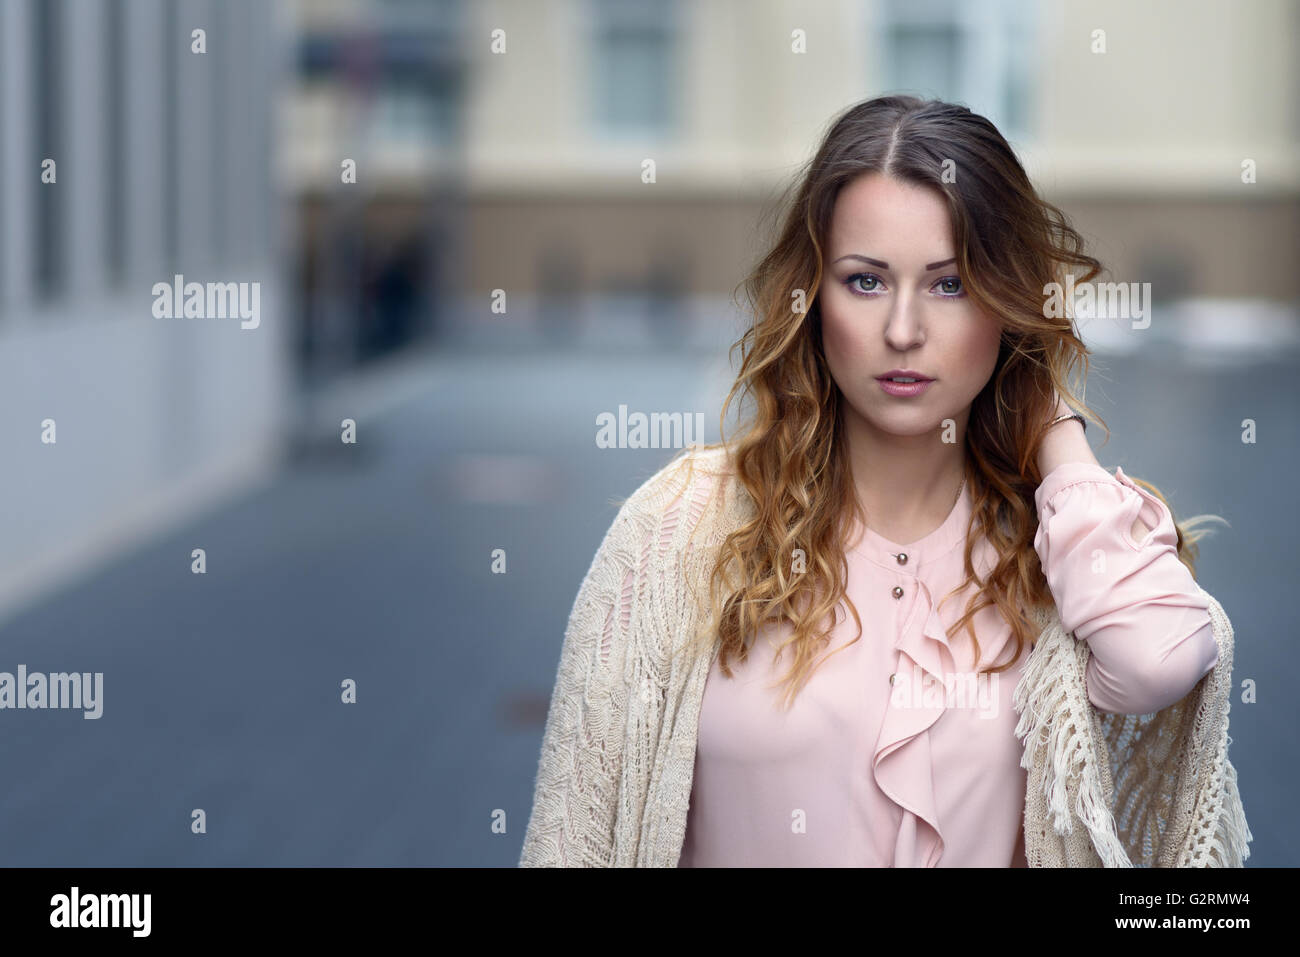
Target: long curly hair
[791, 458]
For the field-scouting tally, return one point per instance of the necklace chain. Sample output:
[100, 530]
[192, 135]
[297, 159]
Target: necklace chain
[955, 500]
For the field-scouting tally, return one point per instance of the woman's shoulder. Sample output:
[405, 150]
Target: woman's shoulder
[695, 468]
[683, 488]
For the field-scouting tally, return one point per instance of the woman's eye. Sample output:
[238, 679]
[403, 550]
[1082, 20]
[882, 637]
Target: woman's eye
[865, 277]
[951, 290]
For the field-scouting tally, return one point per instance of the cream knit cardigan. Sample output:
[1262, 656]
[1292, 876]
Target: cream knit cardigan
[618, 750]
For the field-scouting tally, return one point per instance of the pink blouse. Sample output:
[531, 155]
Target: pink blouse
[895, 753]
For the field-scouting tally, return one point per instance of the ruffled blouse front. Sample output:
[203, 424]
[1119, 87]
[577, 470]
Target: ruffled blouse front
[896, 752]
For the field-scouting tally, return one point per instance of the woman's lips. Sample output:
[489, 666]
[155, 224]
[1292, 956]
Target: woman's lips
[904, 389]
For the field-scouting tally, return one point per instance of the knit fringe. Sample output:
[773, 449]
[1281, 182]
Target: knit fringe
[1234, 847]
[1220, 836]
[1049, 725]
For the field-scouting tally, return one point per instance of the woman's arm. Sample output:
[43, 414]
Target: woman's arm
[1109, 551]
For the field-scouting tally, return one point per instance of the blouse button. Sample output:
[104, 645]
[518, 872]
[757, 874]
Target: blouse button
[891, 678]
[902, 558]
[898, 591]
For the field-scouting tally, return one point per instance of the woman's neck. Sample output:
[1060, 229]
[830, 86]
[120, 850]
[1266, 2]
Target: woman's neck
[907, 485]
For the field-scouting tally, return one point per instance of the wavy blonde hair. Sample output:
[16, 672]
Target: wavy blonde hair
[791, 458]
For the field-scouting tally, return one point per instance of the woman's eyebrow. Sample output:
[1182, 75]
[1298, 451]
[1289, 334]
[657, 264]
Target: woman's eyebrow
[885, 265]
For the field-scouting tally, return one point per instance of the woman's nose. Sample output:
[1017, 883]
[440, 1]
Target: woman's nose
[903, 329]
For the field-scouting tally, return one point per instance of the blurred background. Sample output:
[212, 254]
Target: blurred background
[442, 206]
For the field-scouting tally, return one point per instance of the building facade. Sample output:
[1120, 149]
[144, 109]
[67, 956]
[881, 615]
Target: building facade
[137, 146]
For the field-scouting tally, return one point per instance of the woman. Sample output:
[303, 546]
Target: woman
[909, 458]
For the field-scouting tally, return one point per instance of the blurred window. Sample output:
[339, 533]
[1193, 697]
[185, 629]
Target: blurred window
[425, 43]
[47, 117]
[114, 130]
[6, 226]
[171, 122]
[980, 55]
[633, 69]
[404, 59]
[404, 110]
[926, 56]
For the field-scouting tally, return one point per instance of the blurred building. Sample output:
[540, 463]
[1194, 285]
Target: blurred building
[133, 150]
[373, 156]
[564, 100]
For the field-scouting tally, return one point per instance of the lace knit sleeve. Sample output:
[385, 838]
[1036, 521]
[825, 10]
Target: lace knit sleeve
[1138, 607]
[575, 792]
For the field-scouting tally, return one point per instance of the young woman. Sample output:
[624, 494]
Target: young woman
[912, 510]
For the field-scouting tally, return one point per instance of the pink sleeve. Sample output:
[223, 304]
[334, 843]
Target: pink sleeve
[1138, 607]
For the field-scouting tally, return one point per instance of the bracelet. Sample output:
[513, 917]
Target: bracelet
[1071, 415]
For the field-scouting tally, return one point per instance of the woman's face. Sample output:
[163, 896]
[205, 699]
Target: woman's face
[905, 309]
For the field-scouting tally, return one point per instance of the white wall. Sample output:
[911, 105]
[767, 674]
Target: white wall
[156, 418]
